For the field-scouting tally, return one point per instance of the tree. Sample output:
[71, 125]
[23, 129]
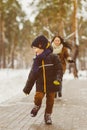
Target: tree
[62, 17]
[11, 17]
[75, 39]
[52, 15]
[2, 37]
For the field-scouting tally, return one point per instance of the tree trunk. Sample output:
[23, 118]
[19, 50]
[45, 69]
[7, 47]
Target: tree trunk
[2, 39]
[75, 40]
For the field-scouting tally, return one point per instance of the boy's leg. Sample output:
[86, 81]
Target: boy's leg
[38, 101]
[49, 107]
[38, 98]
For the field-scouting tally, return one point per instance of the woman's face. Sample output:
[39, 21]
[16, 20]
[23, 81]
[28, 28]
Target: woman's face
[57, 41]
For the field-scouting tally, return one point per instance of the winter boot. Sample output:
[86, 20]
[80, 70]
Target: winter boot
[47, 118]
[34, 111]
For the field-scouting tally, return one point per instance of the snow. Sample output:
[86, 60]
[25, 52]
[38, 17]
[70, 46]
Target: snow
[32, 11]
[29, 9]
[82, 75]
[12, 82]
[84, 9]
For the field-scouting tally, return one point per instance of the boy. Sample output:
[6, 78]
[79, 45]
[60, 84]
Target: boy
[47, 72]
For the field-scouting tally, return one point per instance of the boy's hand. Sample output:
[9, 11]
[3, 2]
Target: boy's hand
[56, 82]
[25, 92]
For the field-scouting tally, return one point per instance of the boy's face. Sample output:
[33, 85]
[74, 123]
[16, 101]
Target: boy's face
[37, 50]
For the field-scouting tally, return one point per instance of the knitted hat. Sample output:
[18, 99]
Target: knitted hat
[40, 42]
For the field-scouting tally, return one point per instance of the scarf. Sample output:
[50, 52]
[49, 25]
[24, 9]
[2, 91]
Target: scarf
[57, 49]
[41, 57]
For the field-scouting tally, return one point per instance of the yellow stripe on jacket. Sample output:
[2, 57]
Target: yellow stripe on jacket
[44, 76]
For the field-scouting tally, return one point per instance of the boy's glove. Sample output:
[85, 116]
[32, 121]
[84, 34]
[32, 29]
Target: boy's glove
[56, 82]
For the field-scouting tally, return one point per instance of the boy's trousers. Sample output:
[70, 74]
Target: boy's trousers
[49, 100]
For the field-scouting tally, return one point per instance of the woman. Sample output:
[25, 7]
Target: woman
[60, 47]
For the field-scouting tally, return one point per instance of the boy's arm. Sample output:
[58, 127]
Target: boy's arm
[29, 84]
[31, 78]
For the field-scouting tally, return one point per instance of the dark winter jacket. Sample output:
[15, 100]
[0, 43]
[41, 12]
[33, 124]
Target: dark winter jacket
[45, 69]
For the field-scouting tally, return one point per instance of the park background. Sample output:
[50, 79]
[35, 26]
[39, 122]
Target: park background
[21, 21]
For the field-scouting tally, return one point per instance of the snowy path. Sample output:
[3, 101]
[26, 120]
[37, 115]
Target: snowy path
[69, 113]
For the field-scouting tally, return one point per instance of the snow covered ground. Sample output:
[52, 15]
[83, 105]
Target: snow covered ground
[13, 81]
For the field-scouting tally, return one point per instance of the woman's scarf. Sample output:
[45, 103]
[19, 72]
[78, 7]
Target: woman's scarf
[57, 49]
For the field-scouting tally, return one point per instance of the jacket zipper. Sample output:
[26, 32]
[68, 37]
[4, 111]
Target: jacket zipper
[44, 76]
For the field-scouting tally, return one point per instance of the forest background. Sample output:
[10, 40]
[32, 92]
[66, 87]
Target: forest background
[67, 18]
